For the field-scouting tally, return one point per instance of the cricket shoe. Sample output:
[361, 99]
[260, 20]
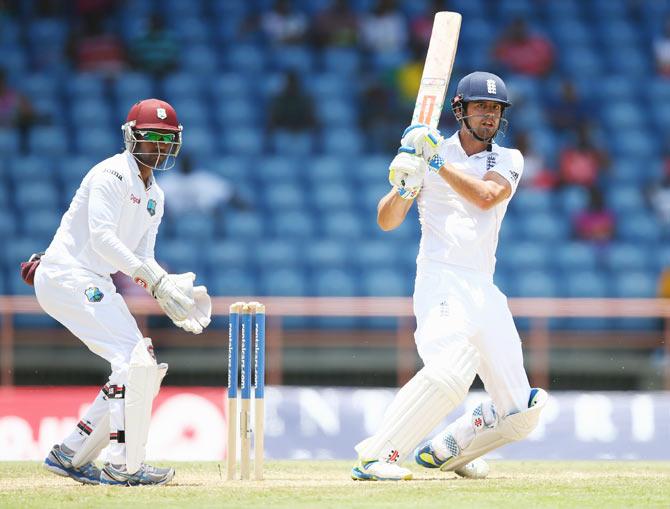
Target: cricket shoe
[61, 464]
[376, 470]
[145, 476]
[428, 458]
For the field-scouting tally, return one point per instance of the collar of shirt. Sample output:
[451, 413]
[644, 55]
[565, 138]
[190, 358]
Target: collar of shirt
[456, 140]
[134, 168]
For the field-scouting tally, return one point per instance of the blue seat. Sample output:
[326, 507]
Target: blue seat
[329, 85]
[572, 199]
[627, 257]
[91, 112]
[245, 58]
[75, 168]
[201, 141]
[277, 168]
[581, 62]
[635, 284]
[37, 196]
[386, 283]
[617, 88]
[192, 112]
[243, 225]
[531, 255]
[99, 142]
[133, 87]
[373, 169]
[639, 227]
[18, 249]
[182, 85]
[341, 60]
[574, 256]
[227, 254]
[636, 145]
[531, 201]
[327, 196]
[235, 168]
[586, 283]
[48, 140]
[285, 282]
[342, 225]
[179, 255]
[199, 59]
[325, 254]
[283, 195]
[623, 115]
[41, 224]
[10, 143]
[336, 113]
[232, 282]
[40, 85]
[85, 86]
[243, 141]
[295, 224]
[326, 168]
[625, 199]
[7, 223]
[230, 85]
[371, 253]
[544, 227]
[237, 111]
[342, 141]
[626, 170]
[662, 258]
[334, 283]
[196, 228]
[297, 58]
[535, 284]
[277, 253]
[292, 143]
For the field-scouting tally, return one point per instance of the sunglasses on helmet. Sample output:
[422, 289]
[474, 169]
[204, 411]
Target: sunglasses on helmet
[159, 137]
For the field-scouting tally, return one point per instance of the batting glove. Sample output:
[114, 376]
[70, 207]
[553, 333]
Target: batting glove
[406, 173]
[426, 143]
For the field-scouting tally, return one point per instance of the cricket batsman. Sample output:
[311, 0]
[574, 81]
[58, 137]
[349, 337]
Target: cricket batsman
[463, 185]
[111, 225]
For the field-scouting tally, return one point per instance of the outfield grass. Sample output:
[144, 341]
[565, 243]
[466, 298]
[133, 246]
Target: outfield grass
[326, 484]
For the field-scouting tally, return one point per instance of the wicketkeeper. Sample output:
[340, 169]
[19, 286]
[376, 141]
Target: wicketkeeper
[111, 225]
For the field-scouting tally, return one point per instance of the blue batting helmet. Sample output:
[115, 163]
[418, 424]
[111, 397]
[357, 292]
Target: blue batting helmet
[482, 86]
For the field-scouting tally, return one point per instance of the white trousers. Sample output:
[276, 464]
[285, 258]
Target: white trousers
[89, 306]
[455, 304]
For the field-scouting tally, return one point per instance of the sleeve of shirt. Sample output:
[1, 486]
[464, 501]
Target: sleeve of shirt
[104, 213]
[145, 249]
[510, 167]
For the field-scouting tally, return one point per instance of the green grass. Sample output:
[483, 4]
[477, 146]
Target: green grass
[326, 484]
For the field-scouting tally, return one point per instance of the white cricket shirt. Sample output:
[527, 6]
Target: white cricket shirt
[453, 230]
[112, 221]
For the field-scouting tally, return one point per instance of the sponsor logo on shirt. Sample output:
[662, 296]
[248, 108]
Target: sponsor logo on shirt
[514, 175]
[135, 199]
[151, 207]
[93, 294]
[113, 172]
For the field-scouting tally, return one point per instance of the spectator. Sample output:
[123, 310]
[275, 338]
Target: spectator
[16, 111]
[567, 110]
[658, 195]
[284, 25]
[336, 25]
[408, 75]
[662, 51]
[421, 27]
[582, 163]
[379, 118]
[523, 52]
[385, 29]
[197, 190]
[536, 173]
[596, 223]
[94, 48]
[292, 109]
[664, 284]
[156, 51]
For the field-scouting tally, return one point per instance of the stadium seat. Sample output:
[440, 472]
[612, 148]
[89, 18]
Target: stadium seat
[37, 196]
[41, 224]
[526, 255]
[181, 85]
[544, 227]
[330, 253]
[228, 85]
[285, 194]
[10, 142]
[341, 60]
[292, 143]
[284, 282]
[386, 283]
[574, 256]
[535, 283]
[638, 227]
[132, 87]
[225, 254]
[296, 224]
[243, 225]
[236, 111]
[276, 253]
[276, 168]
[196, 228]
[635, 284]
[291, 57]
[179, 256]
[329, 196]
[531, 201]
[585, 283]
[327, 168]
[625, 199]
[334, 283]
[85, 86]
[336, 113]
[572, 200]
[233, 282]
[200, 59]
[374, 253]
[245, 58]
[342, 225]
[627, 257]
[342, 140]
[52, 141]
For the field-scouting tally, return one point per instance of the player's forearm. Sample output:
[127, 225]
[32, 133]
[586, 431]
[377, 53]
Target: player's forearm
[110, 247]
[392, 210]
[482, 193]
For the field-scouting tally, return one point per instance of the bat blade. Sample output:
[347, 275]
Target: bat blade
[437, 68]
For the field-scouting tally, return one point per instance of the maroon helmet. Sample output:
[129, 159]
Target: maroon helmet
[153, 121]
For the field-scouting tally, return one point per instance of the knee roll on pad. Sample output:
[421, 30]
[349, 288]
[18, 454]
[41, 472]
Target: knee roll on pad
[421, 404]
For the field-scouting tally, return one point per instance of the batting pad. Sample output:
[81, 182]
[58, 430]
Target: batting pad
[509, 429]
[422, 403]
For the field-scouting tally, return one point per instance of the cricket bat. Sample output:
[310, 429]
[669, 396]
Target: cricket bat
[437, 69]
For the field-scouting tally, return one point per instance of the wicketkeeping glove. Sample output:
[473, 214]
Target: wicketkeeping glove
[426, 142]
[201, 313]
[174, 292]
